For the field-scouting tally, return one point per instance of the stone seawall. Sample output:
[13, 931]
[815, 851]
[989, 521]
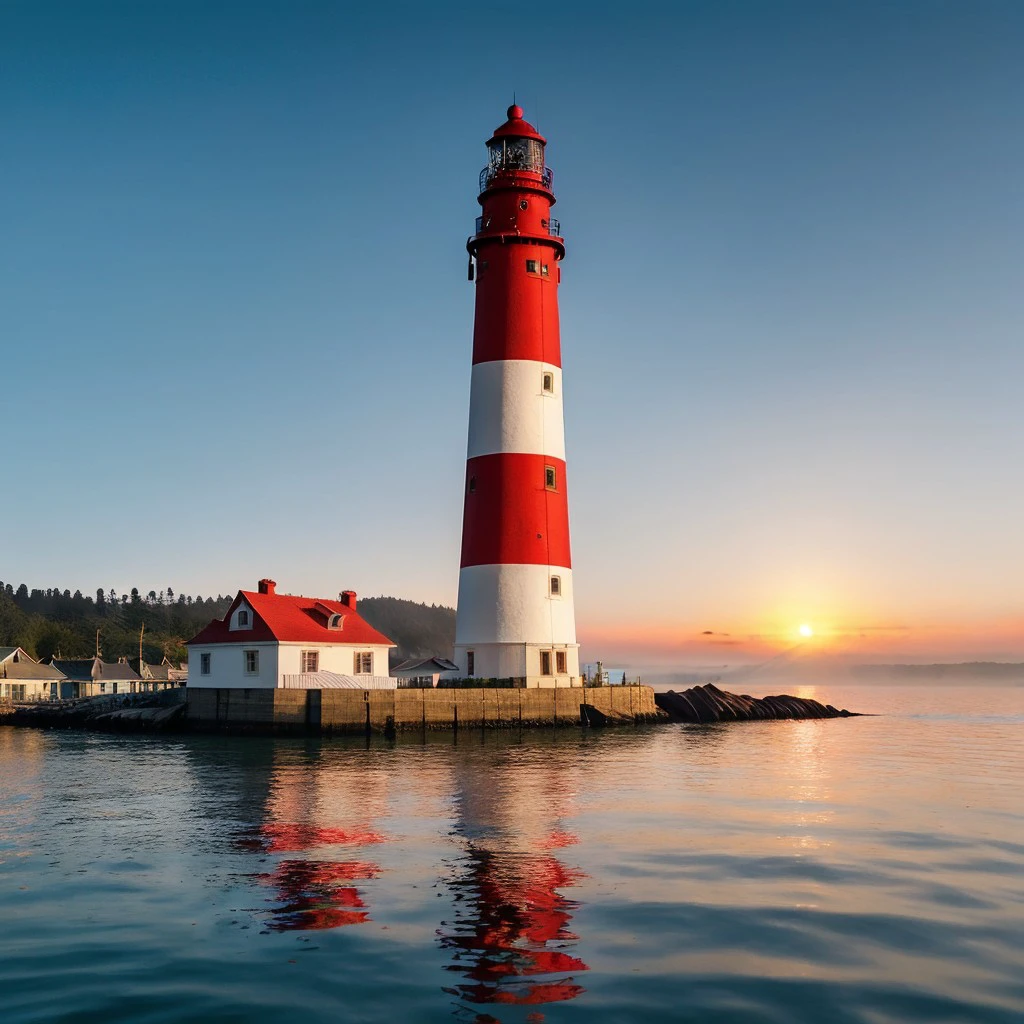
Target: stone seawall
[356, 711]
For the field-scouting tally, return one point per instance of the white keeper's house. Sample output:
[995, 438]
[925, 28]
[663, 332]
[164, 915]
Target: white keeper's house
[268, 640]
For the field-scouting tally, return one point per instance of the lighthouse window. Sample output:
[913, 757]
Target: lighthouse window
[556, 586]
[549, 383]
[470, 662]
[560, 662]
[472, 484]
[550, 480]
[543, 270]
[532, 266]
[545, 663]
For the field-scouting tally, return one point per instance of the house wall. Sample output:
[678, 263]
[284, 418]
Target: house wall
[227, 665]
[25, 689]
[338, 658]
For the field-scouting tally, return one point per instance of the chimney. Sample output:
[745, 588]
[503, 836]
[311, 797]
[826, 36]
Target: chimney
[348, 598]
[267, 586]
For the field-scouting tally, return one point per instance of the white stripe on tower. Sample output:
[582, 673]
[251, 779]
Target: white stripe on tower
[510, 410]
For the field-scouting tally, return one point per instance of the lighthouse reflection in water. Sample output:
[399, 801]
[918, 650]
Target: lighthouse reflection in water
[509, 933]
[506, 929]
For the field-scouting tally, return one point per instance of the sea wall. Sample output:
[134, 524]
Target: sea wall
[356, 711]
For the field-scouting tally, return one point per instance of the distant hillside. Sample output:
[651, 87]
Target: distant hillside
[46, 622]
[420, 630]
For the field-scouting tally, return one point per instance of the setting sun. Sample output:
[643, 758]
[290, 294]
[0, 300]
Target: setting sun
[806, 630]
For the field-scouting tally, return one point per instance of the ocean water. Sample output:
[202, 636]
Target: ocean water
[861, 870]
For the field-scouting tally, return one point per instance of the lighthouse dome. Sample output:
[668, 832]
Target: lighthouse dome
[517, 126]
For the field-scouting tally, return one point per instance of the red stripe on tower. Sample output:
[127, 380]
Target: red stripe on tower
[515, 616]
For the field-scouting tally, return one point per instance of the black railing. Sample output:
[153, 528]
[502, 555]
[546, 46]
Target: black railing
[488, 174]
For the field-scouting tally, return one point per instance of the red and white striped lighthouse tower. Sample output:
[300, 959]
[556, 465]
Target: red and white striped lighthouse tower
[515, 615]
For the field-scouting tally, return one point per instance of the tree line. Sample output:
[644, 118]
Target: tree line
[58, 622]
[50, 622]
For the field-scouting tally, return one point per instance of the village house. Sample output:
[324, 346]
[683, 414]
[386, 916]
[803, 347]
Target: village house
[424, 672]
[153, 677]
[22, 678]
[91, 677]
[270, 640]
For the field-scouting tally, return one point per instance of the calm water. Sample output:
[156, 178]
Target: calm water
[863, 870]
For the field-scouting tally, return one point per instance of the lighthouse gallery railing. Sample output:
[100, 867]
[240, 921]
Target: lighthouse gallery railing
[554, 227]
[488, 174]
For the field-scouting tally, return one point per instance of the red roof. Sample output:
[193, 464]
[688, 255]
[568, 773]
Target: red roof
[291, 619]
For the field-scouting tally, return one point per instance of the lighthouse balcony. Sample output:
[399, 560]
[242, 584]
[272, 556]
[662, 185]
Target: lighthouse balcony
[514, 176]
[554, 227]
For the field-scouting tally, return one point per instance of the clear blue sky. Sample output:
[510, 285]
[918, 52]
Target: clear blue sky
[236, 329]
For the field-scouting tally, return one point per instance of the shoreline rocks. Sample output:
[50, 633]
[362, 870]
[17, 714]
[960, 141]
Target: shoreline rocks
[707, 703]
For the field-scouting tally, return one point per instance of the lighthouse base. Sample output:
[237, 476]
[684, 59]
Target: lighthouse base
[530, 665]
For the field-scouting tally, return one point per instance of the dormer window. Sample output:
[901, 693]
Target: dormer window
[335, 621]
[241, 618]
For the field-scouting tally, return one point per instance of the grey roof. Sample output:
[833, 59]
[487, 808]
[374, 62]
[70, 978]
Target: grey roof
[85, 669]
[28, 669]
[430, 664]
[148, 671]
[6, 652]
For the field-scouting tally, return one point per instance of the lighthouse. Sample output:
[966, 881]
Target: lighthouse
[515, 613]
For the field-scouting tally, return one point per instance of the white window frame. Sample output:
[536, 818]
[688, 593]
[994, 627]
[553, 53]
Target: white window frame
[555, 586]
[255, 670]
[359, 659]
[310, 657]
[547, 382]
[243, 618]
[561, 663]
[204, 663]
[545, 670]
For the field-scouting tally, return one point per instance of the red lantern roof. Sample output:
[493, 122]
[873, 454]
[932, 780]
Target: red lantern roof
[517, 127]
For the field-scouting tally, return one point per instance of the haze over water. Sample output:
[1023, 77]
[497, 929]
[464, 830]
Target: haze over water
[861, 870]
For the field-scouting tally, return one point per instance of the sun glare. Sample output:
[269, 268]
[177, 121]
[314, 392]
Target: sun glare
[806, 630]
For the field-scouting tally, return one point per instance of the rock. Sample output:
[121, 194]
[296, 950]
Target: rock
[707, 703]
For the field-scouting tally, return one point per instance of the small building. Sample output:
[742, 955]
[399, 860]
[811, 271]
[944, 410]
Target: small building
[153, 677]
[23, 678]
[423, 672]
[93, 677]
[269, 640]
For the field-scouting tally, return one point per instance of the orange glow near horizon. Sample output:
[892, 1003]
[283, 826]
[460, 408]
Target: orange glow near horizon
[822, 636]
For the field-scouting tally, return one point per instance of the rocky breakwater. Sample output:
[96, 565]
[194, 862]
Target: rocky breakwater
[126, 713]
[707, 703]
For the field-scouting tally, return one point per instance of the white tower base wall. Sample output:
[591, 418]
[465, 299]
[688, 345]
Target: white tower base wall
[518, 661]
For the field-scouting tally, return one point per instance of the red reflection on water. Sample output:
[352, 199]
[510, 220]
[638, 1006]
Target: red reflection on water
[289, 838]
[509, 913]
[312, 896]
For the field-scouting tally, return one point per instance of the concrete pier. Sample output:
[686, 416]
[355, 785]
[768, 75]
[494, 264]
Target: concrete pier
[357, 711]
